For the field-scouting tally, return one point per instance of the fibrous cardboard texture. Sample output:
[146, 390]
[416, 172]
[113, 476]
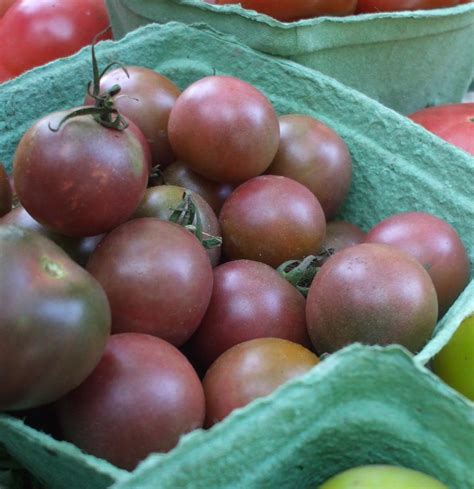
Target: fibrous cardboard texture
[398, 166]
[405, 60]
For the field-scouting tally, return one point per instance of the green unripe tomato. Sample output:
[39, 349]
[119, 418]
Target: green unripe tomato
[382, 476]
[454, 364]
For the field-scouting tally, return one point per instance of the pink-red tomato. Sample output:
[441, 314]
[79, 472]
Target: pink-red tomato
[34, 32]
[435, 244]
[272, 219]
[157, 276]
[453, 123]
[92, 177]
[146, 98]
[141, 398]
[249, 300]
[366, 6]
[290, 10]
[372, 294]
[251, 370]
[214, 193]
[314, 155]
[224, 129]
[5, 192]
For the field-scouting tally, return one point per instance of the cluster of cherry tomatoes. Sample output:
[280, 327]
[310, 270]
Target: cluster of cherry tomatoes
[197, 228]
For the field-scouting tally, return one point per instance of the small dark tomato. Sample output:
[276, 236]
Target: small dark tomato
[82, 179]
[224, 129]
[79, 249]
[435, 244]
[157, 276]
[251, 370]
[142, 397]
[341, 235]
[373, 294]
[6, 196]
[313, 154]
[54, 320]
[161, 201]
[146, 98]
[249, 300]
[214, 193]
[272, 219]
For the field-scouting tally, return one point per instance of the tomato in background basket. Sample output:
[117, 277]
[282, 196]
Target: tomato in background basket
[366, 6]
[34, 32]
[290, 10]
[454, 123]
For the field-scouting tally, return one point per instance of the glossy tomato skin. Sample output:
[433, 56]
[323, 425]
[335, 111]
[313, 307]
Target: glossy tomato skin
[372, 294]
[34, 32]
[54, 320]
[341, 235]
[160, 202]
[224, 129]
[142, 397]
[214, 193]
[435, 244]
[6, 196]
[146, 98]
[249, 300]
[79, 249]
[251, 370]
[272, 219]
[157, 276]
[453, 123]
[317, 157]
[367, 6]
[291, 10]
[83, 179]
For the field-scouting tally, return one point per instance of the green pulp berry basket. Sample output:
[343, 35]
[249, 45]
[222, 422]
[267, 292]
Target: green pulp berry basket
[405, 60]
[361, 405]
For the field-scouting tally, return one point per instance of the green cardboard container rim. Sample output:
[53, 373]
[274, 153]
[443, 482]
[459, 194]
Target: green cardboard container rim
[405, 60]
[398, 166]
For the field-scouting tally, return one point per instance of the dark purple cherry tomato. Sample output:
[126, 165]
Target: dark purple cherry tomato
[5, 192]
[313, 154]
[272, 219]
[157, 276]
[251, 370]
[341, 235]
[142, 397]
[224, 129]
[435, 244]
[79, 249]
[83, 179]
[372, 294]
[214, 193]
[54, 320]
[249, 300]
[146, 98]
[163, 200]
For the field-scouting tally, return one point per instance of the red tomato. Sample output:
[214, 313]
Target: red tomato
[5, 75]
[34, 32]
[4, 6]
[289, 10]
[5, 192]
[453, 123]
[365, 6]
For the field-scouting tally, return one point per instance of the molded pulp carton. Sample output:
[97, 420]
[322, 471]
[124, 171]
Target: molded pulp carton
[363, 404]
[405, 60]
